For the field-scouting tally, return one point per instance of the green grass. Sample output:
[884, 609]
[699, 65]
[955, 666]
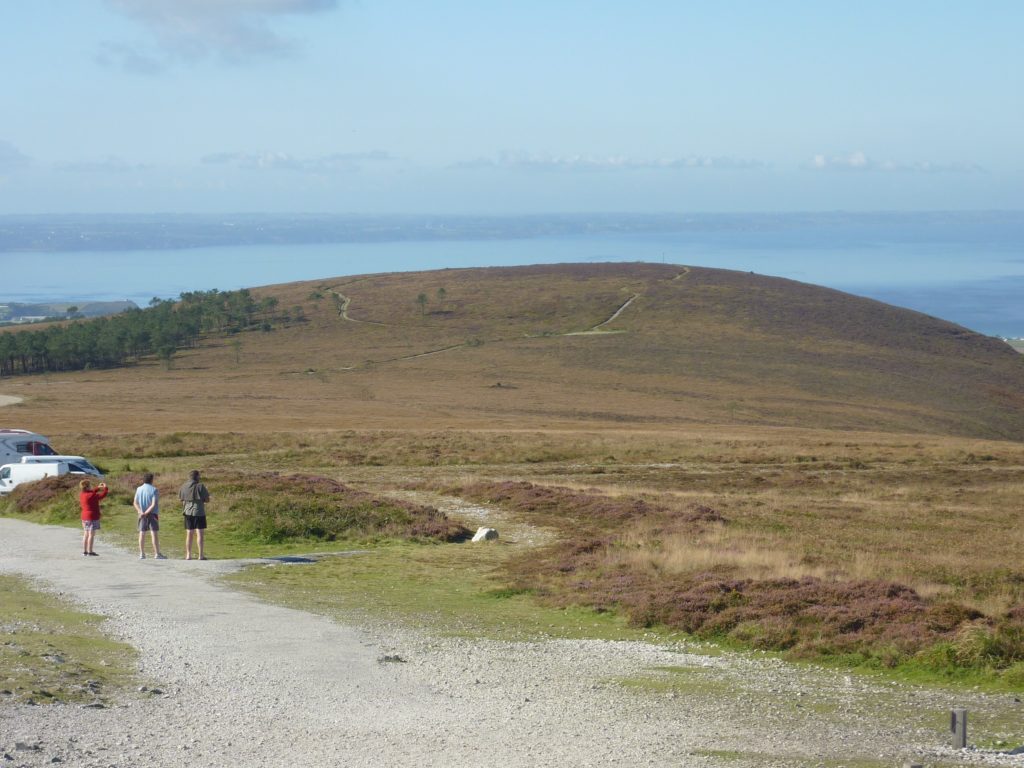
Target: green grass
[454, 589]
[52, 652]
[252, 514]
[727, 754]
[743, 757]
[684, 681]
[914, 672]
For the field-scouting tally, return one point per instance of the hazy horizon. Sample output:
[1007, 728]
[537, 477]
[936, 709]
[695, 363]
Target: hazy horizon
[379, 107]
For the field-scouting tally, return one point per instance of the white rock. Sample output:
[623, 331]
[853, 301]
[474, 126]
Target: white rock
[485, 534]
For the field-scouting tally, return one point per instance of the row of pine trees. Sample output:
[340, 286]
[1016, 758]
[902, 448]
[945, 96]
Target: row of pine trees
[160, 329]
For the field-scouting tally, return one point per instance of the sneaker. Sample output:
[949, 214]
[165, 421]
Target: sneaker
[85, 554]
[142, 555]
[92, 554]
[160, 557]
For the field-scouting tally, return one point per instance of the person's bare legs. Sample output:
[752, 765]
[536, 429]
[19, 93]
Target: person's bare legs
[155, 538]
[200, 537]
[142, 541]
[85, 541]
[188, 543]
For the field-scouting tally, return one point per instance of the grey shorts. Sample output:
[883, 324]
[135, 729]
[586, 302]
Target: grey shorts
[148, 523]
[91, 525]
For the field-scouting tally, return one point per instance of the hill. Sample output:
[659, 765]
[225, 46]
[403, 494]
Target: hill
[558, 346]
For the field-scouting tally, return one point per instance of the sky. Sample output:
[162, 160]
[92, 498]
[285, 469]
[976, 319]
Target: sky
[533, 106]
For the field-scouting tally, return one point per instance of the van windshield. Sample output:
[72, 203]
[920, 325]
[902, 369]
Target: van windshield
[35, 448]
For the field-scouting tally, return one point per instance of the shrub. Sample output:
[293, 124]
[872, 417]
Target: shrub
[269, 508]
[563, 505]
[1014, 675]
[43, 494]
[979, 645]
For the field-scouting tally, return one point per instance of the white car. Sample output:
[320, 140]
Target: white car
[13, 475]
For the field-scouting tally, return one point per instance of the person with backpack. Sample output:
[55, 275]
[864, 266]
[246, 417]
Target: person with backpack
[193, 495]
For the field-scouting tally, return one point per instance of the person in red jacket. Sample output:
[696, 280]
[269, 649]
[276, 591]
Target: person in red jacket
[89, 498]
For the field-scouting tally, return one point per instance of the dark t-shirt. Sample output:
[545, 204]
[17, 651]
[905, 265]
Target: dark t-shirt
[194, 497]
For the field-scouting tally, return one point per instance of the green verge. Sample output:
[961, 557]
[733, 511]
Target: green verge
[742, 758]
[252, 515]
[453, 589]
[52, 652]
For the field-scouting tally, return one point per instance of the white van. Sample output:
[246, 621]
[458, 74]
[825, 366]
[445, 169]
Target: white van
[15, 443]
[13, 475]
[77, 465]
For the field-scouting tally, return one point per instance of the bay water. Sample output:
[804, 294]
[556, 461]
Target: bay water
[973, 278]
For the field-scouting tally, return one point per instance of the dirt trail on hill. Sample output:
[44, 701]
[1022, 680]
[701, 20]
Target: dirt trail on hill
[9, 400]
[250, 684]
[597, 329]
[343, 311]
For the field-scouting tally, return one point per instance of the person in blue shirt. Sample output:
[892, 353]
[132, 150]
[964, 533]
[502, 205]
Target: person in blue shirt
[147, 504]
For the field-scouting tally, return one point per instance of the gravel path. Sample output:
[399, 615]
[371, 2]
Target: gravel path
[250, 684]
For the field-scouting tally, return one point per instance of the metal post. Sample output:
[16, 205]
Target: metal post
[958, 725]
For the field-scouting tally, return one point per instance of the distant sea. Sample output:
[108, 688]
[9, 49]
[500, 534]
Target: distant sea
[967, 270]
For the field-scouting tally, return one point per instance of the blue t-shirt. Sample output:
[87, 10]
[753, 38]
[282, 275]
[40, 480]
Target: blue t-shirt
[145, 495]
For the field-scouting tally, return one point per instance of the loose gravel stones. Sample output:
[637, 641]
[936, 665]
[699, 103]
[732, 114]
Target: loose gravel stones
[242, 683]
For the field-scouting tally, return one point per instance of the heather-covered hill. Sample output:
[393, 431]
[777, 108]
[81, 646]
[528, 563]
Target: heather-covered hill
[559, 345]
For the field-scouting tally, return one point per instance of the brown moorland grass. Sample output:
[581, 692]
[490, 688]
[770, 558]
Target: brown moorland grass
[688, 566]
[695, 346]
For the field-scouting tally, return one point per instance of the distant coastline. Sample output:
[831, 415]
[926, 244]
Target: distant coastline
[16, 313]
[964, 267]
[127, 232]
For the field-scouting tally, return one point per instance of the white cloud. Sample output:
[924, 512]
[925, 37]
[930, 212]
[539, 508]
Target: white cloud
[541, 162]
[340, 162]
[859, 161]
[233, 29]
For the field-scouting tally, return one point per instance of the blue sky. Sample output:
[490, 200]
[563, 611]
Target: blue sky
[394, 106]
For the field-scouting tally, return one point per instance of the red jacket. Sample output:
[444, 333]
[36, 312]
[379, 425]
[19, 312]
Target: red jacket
[90, 501]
